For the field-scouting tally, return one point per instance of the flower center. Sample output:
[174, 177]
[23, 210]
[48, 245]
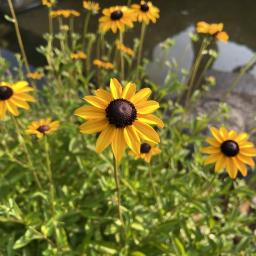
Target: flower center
[5, 92]
[116, 15]
[121, 113]
[229, 148]
[43, 128]
[144, 7]
[145, 148]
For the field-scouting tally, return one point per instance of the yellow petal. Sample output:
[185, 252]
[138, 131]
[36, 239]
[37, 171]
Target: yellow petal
[104, 95]
[240, 166]
[151, 119]
[213, 142]
[212, 158]
[141, 95]
[210, 150]
[246, 160]
[129, 91]
[132, 139]
[90, 112]
[147, 107]
[241, 137]
[96, 101]
[224, 133]
[105, 138]
[231, 168]
[216, 134]
[118, 144]
[93, 126]
[248, 151]
[12, 108]
[146, 132]
[115, 88]
[220, 163]
[19, 103]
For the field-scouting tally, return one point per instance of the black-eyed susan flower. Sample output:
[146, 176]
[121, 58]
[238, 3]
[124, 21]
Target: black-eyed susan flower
[213, 29]
[147, 151]
[35, 75]
[124, 49]
[79, 55]
[14, 96]
[146, 12]
[116, 18]
[229, 150]
[64, 13]
[103, 64]
[42, 127]
[91, 6]
[122, 116]
[48, 3]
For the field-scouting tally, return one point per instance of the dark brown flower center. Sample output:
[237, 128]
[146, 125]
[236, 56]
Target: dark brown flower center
[144, 7]
[116, 15]
[5, 92]
[145, 148]
[43, 128]
[121, 113]
[230, 148]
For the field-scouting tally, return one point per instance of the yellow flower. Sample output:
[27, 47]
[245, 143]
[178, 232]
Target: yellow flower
[79, 55]
[103, 64]
[116, 18]
[35, 75]
[42, 127]
[13, 96]
[147, 150]
[48, 3]
[229, 150]
[65, 13]
[122, 116]
[121, 47]
[91, 6]
[146, 12]
[214, 29]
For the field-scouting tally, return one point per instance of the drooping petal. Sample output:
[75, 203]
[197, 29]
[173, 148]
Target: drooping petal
[12, 108]
[146, 132]
[240, 166]
[118, 144]
[220, 163]
[246, 160]
[132, 139]
[93, 126]
[231, 168]
[105, 138]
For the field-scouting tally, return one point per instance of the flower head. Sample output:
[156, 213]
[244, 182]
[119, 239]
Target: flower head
[48, 3]
[116, 18]
[147, 151]
[65, 13]
[14, 96]
[35, 75]
[79, 55]
[146, 12]
[214, 29]
[103, 64]
[229, 150]
[122, 117]
[91, 6]
[121, 47]
[42, 127]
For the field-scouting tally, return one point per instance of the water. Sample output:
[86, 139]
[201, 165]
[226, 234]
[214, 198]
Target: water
[177, 19]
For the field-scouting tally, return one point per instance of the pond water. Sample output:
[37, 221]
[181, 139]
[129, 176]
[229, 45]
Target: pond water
[177, 20]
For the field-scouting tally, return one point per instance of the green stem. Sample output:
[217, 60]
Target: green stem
[142, 38]
[86, 24]
[88, 53]
[122, 56]
[23, 143]
[118, 191]
[129, 2]
[18, 34]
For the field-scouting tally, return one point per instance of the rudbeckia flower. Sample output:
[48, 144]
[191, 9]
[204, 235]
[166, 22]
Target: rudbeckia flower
[103, 64]
[116, 18]
[42, 127]
[79, 55]
[229, 150]
[146, 12]
[35, 75]
[14, 96]
[122, 116]
[124, 49]
[214, 29]
[147, 151]
[65, 13]
[91, 6]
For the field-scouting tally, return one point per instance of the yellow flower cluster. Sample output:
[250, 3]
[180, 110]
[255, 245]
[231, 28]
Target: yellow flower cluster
[48, 3]
[64, 13]
[79, 55]
[103, 64]
[214, 29]
[35, 75]
[91, 6]
[121, 47]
